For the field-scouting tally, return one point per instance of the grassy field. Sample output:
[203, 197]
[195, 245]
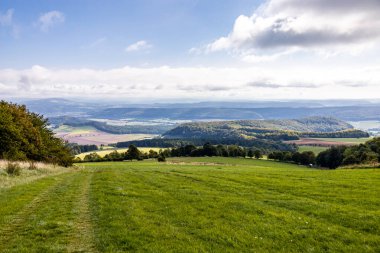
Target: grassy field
[315, 149]
[194, 205]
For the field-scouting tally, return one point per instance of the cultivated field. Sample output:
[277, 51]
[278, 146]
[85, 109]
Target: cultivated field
[194, 205]
[328, 142]
[89, 135]
[108, 150]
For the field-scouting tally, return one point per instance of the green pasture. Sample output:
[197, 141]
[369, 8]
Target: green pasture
[315, 149]
[193, 205]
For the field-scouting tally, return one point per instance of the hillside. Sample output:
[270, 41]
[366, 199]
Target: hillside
[267, 129]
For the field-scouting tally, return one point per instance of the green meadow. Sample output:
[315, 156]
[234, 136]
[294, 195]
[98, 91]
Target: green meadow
[315, 149]
[193, 205]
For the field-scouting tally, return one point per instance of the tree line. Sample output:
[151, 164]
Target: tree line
[367, 153]
[133, 153]
[336, 156]
[26, 136]
[263, 145]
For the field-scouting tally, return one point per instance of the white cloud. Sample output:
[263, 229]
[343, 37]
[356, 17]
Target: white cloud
[198, 83]
[282, 25]
[96, 43]
[6, 21]
[141, 45]
[6, 18]
[50, 19]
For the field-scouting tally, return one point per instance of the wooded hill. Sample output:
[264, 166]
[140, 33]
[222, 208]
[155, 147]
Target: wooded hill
[284, 129]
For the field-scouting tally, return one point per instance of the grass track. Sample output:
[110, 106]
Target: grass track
[194, 205]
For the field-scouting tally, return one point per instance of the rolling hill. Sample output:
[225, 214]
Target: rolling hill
[267, 129]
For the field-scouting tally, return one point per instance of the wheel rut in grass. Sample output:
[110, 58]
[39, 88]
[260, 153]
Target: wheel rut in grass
[10, 230]
[82, 237]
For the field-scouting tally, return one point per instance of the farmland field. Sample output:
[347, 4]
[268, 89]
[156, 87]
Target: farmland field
[346, 140]
[102, 153]
[327, 142]
[194, 205]
[89, 135]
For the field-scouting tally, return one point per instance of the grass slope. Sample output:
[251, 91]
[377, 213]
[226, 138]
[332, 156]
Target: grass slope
[194, 205]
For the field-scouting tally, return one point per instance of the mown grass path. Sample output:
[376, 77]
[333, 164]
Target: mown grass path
[49, 215]
[194, 205]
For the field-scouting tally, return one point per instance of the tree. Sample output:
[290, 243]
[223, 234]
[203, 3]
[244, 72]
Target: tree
[152, 154]
[132, 153]
[92, 157]
[331, 158]
[209, 150]
[257, 154]
[307, 157]
[250, 153]
[161, 158]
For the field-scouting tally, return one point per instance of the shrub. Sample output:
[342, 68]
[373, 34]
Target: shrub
[161, 158]
[13, 169]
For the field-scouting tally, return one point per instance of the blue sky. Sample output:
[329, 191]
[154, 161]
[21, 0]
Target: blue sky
[188, 50]
[95, 33]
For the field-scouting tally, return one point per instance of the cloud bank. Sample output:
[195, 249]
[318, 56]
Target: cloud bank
[198, 83]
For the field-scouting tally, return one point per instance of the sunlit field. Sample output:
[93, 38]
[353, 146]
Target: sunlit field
[193, 205]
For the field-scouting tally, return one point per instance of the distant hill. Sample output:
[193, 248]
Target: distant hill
[349, 113]
[350, 110]
[284, 129]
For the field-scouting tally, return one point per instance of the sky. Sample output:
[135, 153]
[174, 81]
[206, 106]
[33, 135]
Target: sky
[190, 50]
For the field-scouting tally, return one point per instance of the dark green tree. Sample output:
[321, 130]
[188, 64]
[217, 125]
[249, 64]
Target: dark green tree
[132, 153]
[257, 154]
[250, 153]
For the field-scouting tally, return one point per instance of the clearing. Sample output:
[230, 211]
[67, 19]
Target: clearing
[193, 205]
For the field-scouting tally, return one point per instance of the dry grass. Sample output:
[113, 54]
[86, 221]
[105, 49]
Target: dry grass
[29, 172]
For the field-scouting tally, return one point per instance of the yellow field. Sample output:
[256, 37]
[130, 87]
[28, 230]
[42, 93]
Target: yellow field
[102, 153]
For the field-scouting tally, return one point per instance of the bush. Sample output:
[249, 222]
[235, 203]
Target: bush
[13, 169]
[161, 158]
